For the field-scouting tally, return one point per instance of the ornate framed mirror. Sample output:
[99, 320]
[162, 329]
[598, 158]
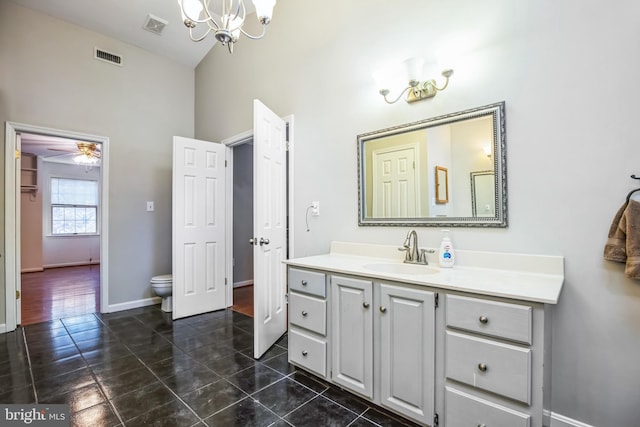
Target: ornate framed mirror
[396, 187]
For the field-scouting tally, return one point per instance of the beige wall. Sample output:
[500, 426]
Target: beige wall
[49, 78]
[568, 74]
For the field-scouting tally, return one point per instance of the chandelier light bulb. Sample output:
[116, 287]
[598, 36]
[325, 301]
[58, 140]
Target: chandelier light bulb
[191, 9]
[264, 10]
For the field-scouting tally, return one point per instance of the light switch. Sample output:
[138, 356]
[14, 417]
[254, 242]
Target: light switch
[150, 207]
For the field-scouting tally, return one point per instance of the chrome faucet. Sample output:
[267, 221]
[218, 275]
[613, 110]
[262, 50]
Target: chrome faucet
[414, 255]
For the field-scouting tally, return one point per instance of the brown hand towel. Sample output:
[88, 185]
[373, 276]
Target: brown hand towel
[615, 249]
[623, 244]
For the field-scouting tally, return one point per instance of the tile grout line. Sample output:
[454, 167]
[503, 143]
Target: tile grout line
[33, 380]
[176, 395]
[93, 375]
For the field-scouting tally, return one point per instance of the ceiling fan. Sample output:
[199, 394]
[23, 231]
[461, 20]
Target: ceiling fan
[87, 153]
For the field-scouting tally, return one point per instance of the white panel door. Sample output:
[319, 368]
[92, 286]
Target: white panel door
[395, 183]
[198, 227]
[269, 229]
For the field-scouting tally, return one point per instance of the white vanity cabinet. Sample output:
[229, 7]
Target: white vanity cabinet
[407, 350]
[352, 334]
[391, 324]
[308, 320]
[494, 362]
[461, 347]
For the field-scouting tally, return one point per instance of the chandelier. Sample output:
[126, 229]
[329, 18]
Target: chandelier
[226, 20]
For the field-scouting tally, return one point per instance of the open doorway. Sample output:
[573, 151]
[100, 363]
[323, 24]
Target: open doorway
[243, 228]
[59, 227]
[56, 222]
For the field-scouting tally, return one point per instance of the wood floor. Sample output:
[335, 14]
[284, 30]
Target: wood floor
[60, 292]
[56, 293]
[243, 300]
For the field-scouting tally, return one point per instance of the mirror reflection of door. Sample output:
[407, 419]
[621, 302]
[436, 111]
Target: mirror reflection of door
[395, 183]
[483, 193]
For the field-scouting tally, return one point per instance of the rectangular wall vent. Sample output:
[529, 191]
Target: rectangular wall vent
[109, 57]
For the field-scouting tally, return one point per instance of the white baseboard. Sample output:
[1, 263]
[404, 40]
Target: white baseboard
[3, 328]
[244, 283]
[32, 270]
[112, 308]
[71, 264]
[558, 420]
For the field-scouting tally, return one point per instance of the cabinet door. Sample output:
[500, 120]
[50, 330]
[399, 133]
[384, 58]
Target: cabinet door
[352, 329]
[407, 340]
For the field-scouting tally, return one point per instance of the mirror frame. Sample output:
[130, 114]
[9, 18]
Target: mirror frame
[497, 113]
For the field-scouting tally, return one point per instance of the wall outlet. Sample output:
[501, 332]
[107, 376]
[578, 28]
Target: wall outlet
[315, 208]
[150, 207]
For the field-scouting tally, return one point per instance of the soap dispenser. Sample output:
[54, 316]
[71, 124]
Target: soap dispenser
[446, 256]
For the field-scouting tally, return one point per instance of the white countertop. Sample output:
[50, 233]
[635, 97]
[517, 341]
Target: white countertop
[534, 278]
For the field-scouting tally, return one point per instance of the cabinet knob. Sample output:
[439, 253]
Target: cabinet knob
[304, 283]
[304, 353]
[383, 309]
[484, 320]
[482, 425]
[482, 367]
[365, 304]
[304, 313]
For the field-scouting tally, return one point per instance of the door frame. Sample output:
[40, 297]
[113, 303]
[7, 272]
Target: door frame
[11, 200]
[234, 141]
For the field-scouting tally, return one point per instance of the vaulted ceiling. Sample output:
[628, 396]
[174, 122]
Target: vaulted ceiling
[125, 20]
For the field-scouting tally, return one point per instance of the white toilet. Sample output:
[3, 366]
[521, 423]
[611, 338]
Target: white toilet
[163, 287]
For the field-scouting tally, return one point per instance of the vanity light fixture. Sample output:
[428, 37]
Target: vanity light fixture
[225, 23]
[416, 90]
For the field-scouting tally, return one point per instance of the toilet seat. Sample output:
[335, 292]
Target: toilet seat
[162, 279]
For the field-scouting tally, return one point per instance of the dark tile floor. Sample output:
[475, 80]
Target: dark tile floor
[138, 368]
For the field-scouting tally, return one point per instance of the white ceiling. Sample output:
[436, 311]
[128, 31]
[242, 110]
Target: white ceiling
[124, 20]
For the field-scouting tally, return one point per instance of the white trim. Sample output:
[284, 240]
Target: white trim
[71, 264]
[32, 270]
[3, 328]
[558, 420]
[290, 238]
[133, 304]
[11, 220]
[243, 283]
[229, 222]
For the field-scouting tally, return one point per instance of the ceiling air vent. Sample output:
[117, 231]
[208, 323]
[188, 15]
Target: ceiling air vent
[154, 24]
[109, 57]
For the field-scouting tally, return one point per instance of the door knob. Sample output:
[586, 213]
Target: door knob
[264, 241]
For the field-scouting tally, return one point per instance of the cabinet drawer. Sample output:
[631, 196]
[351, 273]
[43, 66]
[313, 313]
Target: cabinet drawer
[500, 368]
[465, 410]
[310, 282]
[308, 352]
[308, 312]
[498, 319]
